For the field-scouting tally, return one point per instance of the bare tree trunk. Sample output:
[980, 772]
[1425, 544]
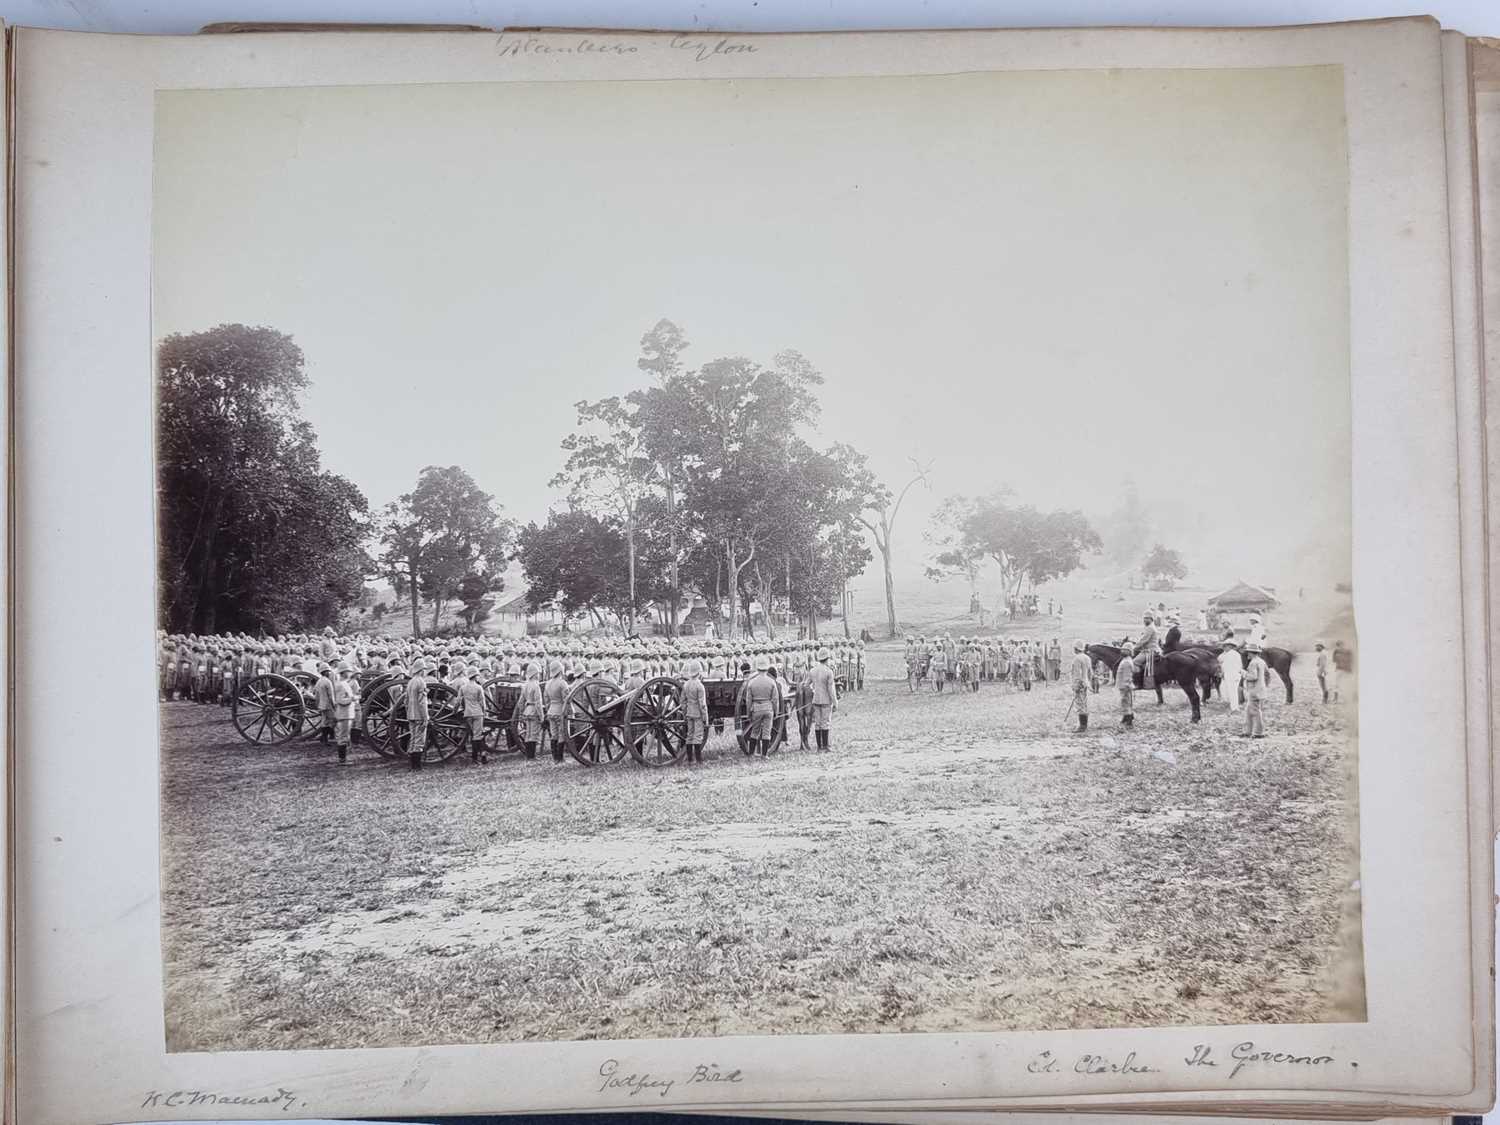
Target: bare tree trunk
[672, 622]
[845, 607]
[734, 592]
[437, 610]
[416, 624]
[789, 589]
[765, 600]
[890, 585]
[630, 563]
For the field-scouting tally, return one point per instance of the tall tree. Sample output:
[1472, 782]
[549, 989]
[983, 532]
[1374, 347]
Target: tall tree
[740, 422]
[659, 410]
[880, 521]
[609, 470]
[252, 532]
[445, 530]
[1128, 528]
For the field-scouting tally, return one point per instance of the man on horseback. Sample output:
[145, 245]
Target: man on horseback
[1143, 656]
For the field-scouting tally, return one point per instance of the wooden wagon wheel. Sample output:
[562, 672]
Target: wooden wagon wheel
[742, 719]
[378, 705]
[593, 722]
[502, 705]
[270, 709]
[447, 733]
[656, 727]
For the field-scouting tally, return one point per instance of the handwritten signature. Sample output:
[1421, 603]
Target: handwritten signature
[1048, 1063]
[285, 1100]
[640, 1082]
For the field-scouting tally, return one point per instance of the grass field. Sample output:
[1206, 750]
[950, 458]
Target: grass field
[958, 862]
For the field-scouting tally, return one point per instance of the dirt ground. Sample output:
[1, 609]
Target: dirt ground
[957, 862]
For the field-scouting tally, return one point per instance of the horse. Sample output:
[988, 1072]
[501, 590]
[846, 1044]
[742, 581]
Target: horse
[1185, 669]
[1279, 660]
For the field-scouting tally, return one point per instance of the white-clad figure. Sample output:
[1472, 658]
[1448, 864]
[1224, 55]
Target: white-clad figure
[1202, 621]
[1257, 635]
[1232, 668]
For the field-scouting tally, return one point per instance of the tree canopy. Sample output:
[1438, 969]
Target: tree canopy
[253, 533]
[1026, 544]
[445, 531]
[1164, 566]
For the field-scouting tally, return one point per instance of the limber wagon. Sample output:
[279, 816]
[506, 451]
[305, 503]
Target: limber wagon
[600, 725]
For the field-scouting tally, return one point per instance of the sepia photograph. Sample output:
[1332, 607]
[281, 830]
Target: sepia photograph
[696, 558]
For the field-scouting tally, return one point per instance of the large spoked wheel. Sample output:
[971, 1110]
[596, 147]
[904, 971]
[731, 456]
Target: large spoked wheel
[447, 733]
[378, 707]
[502, 728]
[269, 710]
[593, 722]
[655, 724]
[742, 719]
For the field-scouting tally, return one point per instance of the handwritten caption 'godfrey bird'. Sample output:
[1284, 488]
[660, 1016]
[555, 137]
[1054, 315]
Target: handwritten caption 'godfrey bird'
[643, 1082]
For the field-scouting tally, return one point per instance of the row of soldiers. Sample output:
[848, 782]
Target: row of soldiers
[966, 662]
[209, 669]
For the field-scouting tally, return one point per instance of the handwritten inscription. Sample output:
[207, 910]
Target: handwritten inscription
[517, 46]
[703, 50]
[284, 1100]
[1247, 1054]
[699, 48]
[1048, 1063]
[612, 1078]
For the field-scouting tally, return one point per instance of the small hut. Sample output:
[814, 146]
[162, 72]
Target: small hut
[1242, 597]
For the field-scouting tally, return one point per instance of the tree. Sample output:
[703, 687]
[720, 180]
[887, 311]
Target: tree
[659, 409]
[576, 561]
[1128, 528]
[881, 523]
[1164, 566]
[253, 534]
[739, 425]
[608, 469]
[443, 531]
[475, 592]
[953, 555]
[1027, 545]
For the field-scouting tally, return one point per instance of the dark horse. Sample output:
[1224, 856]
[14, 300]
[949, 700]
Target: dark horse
[1185, 669]
[1279, 660]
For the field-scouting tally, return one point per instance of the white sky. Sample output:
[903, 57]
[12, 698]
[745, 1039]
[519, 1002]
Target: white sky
[1047, 280]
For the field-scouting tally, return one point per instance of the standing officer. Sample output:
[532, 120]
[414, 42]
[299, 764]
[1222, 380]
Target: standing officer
[1081, 675]
[762, 695]
[471, 696]
[417, 713]
[556, 695]
[1125, 684]
[531, 708]
[1255, 692]
[825, 697]
[323, 696]
[345, 695]
[1322, 669]
[695, 709]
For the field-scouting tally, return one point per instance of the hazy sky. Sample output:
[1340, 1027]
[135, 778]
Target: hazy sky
[1047, 280]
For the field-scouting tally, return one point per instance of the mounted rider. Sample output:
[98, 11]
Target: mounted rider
[1143, 655]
